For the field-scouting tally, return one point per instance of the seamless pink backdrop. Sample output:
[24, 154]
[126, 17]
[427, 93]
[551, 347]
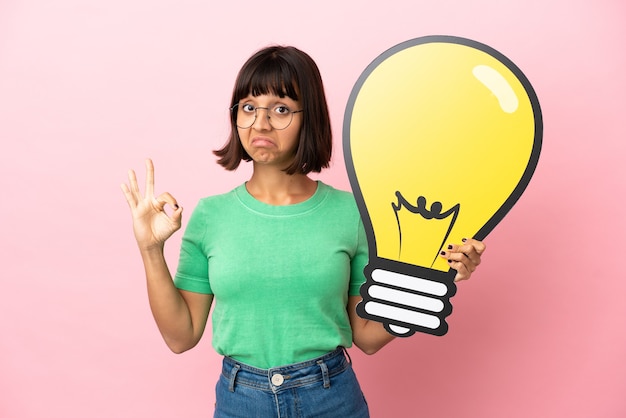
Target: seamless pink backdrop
[88, 89]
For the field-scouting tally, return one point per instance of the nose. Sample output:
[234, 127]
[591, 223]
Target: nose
[262, 122]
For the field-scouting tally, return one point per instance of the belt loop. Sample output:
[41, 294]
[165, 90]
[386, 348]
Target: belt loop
[233, 374]
[347, 355]
[324, 368]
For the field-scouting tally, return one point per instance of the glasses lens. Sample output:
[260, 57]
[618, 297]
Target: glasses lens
[279, 117]
[244, 117]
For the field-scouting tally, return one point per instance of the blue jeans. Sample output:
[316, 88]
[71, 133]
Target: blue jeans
[325, 387]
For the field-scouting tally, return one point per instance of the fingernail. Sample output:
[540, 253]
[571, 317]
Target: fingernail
[464, 239]
[443, 253]
[449, 261]
[449, 247]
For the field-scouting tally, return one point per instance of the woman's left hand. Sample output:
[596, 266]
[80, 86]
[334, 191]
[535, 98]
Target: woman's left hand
[464, 258]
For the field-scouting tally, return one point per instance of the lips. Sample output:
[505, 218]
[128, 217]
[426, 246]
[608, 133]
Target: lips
[262, 142]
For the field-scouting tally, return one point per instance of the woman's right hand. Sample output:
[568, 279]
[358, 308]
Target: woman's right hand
[151, 224]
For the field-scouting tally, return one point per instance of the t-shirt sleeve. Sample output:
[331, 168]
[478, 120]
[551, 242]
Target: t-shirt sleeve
[358, 263]
[193, 269]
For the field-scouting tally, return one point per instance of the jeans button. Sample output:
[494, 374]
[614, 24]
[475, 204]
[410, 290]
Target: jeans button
[278, 379]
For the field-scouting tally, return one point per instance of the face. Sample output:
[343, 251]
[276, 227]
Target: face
[263, 143]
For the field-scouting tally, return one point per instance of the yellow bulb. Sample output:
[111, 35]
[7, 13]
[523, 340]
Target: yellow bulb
[441, 136]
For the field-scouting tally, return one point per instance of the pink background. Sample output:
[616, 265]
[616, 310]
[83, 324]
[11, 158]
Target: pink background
[89, 89]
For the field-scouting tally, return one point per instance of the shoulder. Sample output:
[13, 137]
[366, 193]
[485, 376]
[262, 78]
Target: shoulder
[219, 199]
[216, 204]
[340, 199]
[336, 194]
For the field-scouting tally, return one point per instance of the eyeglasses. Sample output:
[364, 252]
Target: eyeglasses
[279, 116]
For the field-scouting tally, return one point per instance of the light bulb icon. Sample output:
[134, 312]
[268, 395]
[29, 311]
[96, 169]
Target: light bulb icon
[441, 137]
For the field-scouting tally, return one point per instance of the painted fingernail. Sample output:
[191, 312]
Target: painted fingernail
[464, 239]
[449, 261]
[449, 247]
[443, 253]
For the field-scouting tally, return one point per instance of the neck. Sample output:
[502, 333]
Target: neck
[275, 187]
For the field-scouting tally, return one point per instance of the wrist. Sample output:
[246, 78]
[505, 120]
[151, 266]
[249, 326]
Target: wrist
[152, 251]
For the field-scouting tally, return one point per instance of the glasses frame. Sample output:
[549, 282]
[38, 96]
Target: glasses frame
[267, 111]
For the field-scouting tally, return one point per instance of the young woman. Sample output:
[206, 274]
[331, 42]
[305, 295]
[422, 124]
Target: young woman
[280, 258]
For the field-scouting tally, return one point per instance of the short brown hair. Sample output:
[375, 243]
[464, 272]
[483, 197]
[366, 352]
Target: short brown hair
[284, 71]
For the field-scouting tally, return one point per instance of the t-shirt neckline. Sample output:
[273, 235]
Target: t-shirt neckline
[256, 205]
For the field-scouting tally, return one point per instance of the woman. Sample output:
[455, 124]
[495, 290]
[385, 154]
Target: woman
[281, 257]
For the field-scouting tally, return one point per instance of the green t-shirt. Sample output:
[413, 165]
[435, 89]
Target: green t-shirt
[280, 275]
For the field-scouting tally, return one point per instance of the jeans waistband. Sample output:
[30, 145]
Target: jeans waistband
[276, 379]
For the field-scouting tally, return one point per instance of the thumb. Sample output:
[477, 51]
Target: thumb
[165, 199]
[177, 215]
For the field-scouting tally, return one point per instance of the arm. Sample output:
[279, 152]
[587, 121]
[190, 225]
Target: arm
[369, 336]
[180, 316]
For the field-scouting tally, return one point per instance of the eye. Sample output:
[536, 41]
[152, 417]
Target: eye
[282, 110]
[247, 108]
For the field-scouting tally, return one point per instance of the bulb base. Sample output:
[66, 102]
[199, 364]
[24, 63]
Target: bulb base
[407, 298]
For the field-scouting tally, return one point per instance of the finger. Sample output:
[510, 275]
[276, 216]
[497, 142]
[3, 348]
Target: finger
[166, 199]
[458, 252]
[461, 271]
[132, 180]
[459, 260]
[133, 189]
[177, 216]
[130, 197]
[470, 252]
[149, 178]
[479, 246]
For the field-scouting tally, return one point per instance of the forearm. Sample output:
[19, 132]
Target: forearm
[369, 336]
[169, 309]
[372, 337]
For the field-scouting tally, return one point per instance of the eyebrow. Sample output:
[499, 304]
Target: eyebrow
[280, 100]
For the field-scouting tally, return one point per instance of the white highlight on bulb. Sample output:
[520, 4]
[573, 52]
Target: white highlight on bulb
[410, 283]
[498, 85]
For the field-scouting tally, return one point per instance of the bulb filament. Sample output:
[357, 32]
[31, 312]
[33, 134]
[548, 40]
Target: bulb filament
[435, 212]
